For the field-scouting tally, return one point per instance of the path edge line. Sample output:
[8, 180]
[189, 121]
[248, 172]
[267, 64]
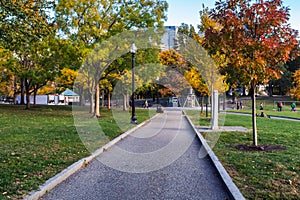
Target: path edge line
[64, 174]
[230, 186]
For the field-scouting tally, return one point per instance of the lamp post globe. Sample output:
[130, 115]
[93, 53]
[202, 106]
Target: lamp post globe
[133, 50]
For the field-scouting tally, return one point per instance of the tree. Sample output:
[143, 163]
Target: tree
[296, 89]
[118, 74]
[66, 78]
[174, 60]
[7, 78]
[283, 84]
[218, 58]
[196, 80]
[255, 37]
[37, 65]
[91, 22]
[173, 79]
[24, 21]
[28, 30]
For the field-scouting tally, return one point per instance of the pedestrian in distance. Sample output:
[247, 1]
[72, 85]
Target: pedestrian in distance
[293, 106]
[279, 106]
[261, 106]
[146, 104]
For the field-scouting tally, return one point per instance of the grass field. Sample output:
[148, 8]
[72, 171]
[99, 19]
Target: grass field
[261, 175]
[38, 143]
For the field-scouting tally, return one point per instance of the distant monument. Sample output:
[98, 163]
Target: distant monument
[191, 100]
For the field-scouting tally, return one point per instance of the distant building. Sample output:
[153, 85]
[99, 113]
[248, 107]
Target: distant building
[168, 40]
[68, 97]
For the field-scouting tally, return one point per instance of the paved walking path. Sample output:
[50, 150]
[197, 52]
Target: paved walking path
[158, 161]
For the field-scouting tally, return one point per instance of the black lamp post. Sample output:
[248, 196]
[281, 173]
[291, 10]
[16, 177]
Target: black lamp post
[158, 108]
[133, 50]
[157, 100]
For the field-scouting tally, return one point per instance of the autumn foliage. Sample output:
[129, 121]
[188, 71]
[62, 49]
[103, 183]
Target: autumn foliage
[255, 37]
[187, 75]
[296, 90]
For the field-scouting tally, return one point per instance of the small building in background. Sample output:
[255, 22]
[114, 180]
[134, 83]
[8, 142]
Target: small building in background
[68, 97]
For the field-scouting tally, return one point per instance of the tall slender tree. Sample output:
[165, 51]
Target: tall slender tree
[255, 37]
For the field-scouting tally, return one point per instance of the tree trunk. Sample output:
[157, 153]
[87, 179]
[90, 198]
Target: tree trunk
[254, 128]
[97, 103]
[22, 100]
[233, 97]
[108, 99]
[202, 104]
[15, 89]
[27, 100]
[27, 91]
[127, 100]
[81, 95]
[102, 99]
[34, 97]
[91, 87]
[124, 102]
[92, 103]
[224, 102]
[270, 90]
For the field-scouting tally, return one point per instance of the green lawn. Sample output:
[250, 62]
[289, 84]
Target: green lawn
[262, 175]
[36, 144]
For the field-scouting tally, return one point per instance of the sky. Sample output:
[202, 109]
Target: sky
[187, 11]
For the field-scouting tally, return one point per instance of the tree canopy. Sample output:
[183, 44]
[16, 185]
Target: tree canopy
[47, 36]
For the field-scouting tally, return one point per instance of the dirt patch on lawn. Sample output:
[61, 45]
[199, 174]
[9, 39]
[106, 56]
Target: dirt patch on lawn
[262, 147]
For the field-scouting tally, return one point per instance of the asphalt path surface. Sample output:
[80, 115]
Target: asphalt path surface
[158, 161]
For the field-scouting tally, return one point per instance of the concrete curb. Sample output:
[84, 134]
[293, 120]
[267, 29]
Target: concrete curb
[63, 175]
[231, 187]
